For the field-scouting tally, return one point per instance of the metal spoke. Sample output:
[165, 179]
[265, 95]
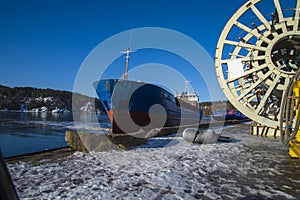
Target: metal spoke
[248, 72]
[252, 32]
[255, 85]
[279, 10]
[254, 58]
[261, 17]
[244, 45]
[251, 98]
[280, 15]
[267, 95]
[297, 13]
[294, 66]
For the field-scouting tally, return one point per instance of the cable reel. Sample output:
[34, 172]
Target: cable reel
[257, 55]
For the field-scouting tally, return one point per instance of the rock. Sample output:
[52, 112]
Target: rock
[74, 141]
[86, 141]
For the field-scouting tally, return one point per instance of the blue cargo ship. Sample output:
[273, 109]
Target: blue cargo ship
[128, 105]
[134, 105]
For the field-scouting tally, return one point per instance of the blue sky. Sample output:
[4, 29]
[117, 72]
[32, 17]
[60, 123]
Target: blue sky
[43, 43]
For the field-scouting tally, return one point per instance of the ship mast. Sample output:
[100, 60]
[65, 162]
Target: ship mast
[127, 52]
[186, 87]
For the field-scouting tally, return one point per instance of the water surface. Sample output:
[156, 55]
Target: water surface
[27, 132]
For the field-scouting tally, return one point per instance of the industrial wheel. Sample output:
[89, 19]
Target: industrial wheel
[257, 55]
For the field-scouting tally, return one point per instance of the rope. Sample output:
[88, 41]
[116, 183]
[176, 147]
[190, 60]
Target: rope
[289, 108]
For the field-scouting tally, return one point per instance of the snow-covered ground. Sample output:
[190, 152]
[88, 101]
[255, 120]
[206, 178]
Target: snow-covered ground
[248, 167]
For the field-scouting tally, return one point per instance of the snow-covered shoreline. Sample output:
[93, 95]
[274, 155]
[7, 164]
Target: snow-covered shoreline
[167, 168]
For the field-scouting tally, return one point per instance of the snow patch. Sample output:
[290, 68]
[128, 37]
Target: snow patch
[167, 168]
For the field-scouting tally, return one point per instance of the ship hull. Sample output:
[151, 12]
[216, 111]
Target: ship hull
[133, 105]
[221, 115]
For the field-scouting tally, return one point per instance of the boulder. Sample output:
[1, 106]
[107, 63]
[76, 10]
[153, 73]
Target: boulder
[86, 141]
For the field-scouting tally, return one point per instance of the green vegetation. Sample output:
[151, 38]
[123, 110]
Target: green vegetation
[30, 98]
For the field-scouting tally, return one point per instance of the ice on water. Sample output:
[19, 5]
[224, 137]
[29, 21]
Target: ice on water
[168, 168]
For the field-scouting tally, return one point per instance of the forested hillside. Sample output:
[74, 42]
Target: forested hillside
[21, 98]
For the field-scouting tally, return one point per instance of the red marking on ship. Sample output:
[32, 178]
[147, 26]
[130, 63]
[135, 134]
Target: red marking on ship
[110, 115]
